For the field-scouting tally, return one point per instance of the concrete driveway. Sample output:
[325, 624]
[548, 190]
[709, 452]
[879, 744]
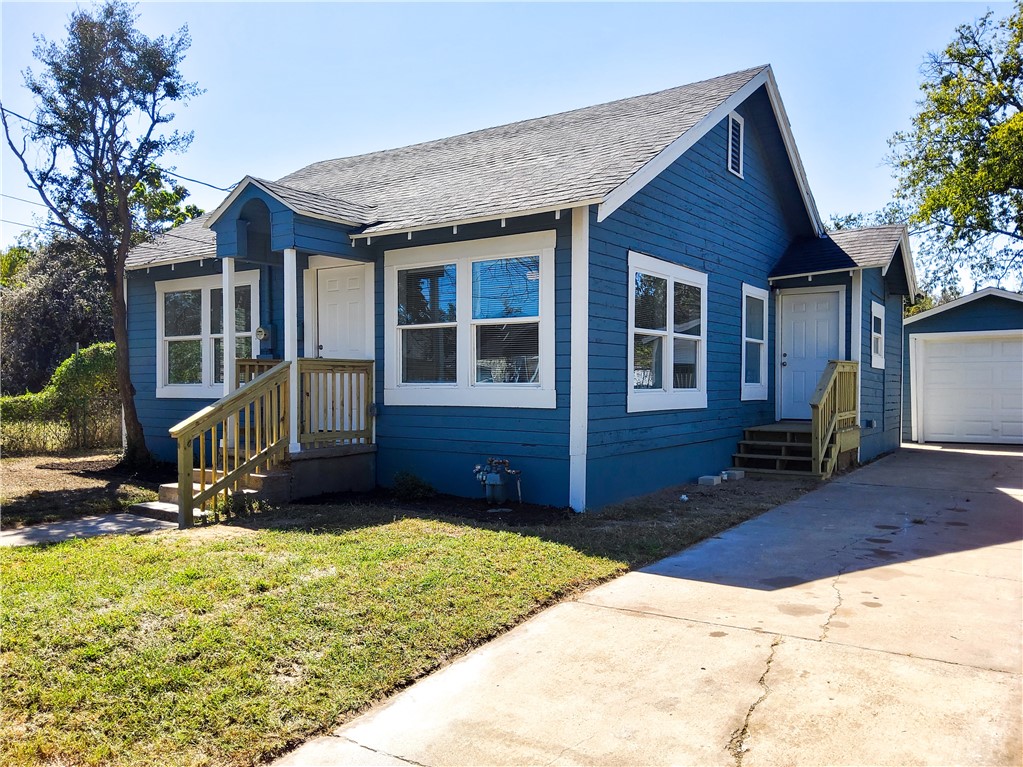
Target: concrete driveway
[877, 620]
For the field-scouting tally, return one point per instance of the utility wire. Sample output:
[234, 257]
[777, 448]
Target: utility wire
[160, 234]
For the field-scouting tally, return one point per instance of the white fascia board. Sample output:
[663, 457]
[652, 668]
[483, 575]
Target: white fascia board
[476, 220]
[844, 269]
[168, 262]
[250, 181]
[619, 196]
[997, 292]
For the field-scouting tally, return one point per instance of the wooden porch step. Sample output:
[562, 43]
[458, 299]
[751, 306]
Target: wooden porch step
[773, 457]
[169, 493]
[755, 445]
[753, 472]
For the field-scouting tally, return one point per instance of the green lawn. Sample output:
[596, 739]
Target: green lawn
[227, 646]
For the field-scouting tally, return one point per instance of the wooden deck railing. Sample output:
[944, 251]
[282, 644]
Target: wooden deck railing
[336, 399]
[833, 407]
[248, 369]
[240, 434]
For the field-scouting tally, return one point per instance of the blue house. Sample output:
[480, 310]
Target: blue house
[612, 299]
[963, 371]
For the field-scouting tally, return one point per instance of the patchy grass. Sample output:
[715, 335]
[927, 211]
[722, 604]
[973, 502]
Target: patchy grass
[212, 648]
[231, 644]
[50, 488]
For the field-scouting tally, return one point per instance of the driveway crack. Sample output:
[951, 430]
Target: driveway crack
[834, 611]
[737, 745]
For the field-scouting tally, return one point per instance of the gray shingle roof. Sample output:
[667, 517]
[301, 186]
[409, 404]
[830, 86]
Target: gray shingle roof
[840, 250]
[188, 242]
[535, 164]
[545, 163]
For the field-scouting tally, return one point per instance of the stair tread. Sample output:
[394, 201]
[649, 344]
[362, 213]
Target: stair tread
[773, 456]
[786, 472]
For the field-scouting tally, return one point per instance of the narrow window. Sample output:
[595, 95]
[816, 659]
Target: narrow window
[735, 143]
[876, 335]
[754, 343]
[667, 353]
[427, 324]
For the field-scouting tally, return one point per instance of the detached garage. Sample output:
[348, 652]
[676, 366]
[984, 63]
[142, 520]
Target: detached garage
[963, 377]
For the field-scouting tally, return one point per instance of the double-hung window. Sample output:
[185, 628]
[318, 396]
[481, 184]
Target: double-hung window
[876, 335]
[667, 335]
[754, 343]
[190, 332]
[471, 323]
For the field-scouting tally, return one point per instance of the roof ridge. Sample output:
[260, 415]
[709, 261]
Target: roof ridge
[752, 72]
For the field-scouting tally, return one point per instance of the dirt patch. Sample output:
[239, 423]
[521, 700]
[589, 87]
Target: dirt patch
[36, 489]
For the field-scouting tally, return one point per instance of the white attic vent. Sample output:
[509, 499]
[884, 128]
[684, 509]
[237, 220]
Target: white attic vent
[735, 130]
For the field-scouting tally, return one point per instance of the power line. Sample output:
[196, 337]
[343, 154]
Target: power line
[161, 234]
[22, 199]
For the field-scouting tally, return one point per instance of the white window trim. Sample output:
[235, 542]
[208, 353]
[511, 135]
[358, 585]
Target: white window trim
[754, 391]
[643, 401]
[207, 389]
[465, 391]
[736, 118]
[877, 311]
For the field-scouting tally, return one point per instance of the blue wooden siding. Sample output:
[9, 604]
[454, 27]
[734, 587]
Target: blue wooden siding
[880, 388]
[441, 444]
[987, 313]
[160, 414]
[697, 214]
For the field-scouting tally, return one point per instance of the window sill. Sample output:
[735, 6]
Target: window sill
[645, 402]
[494, 395]
[190, 391]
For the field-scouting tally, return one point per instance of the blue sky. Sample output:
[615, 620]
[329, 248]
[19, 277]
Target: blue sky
[288, 84]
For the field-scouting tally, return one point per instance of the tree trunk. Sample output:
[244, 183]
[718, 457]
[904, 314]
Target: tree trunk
[136, 454]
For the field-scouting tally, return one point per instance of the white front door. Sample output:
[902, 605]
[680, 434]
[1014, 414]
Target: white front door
[809, 339]
[342, 313]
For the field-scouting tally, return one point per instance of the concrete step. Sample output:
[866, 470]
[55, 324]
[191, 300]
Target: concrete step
[169, 493]
[167, 512]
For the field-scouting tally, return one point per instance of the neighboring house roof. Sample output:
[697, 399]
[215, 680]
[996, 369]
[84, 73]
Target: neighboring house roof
[191, 241]
[962, 300]
[847, 250]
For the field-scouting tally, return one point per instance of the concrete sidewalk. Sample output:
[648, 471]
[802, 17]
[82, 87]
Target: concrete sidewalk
[876, 620]
[83, 527]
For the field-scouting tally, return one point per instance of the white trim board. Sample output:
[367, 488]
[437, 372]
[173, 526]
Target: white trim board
[962, 301]
[580, 359]
[620, 195]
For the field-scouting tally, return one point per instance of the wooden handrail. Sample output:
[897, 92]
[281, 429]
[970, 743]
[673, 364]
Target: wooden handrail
[256, 413]
[833, 406]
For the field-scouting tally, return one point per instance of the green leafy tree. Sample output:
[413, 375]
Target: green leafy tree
[100, 127]
[960, 167]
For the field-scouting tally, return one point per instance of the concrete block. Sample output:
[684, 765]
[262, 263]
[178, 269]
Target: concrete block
[710, 479]
[732, 474]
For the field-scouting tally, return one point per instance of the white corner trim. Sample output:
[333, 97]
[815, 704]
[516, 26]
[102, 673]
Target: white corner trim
[579, 366]
[620, 195]
[856, 317]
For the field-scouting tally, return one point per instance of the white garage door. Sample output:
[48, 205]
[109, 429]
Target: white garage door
[970, 389]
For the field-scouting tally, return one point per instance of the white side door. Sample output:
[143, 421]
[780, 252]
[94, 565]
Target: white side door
[809, 339]
[342, 313]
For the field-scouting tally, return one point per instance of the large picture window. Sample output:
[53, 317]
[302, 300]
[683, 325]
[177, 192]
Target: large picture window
[754, 343]
[190, 332]
[667, 332]
[471, 323]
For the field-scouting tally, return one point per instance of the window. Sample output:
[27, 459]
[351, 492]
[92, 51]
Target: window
[190, 332]
[876, 335]
[735, 142]
[667, 332]
[471, 323]
[754, 343]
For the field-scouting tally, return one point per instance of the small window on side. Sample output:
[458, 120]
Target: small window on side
[876, 335]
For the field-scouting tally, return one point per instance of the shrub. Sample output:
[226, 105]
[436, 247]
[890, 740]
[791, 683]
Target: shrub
[79, 408]
[410, 487]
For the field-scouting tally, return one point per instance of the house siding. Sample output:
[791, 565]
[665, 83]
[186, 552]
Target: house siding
[699, 215]
[442, 444]
[987, 313]
[880, 387]
[158, 415]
